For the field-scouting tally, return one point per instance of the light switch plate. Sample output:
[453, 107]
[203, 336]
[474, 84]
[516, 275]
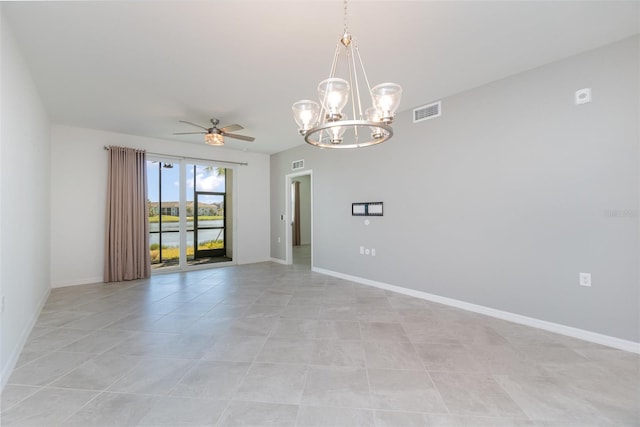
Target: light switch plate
[585, 279]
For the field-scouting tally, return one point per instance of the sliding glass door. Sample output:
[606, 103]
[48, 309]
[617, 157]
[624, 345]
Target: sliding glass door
[163, 203]
[188, 214]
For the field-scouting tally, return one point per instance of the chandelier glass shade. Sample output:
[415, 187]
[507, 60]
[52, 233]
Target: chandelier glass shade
[326, 124]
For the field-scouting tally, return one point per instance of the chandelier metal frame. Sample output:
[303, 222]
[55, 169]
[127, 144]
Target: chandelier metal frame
[386, 132]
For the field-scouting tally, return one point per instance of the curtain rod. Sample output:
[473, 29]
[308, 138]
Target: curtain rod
[193, 158]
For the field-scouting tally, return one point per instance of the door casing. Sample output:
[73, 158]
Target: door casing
[288, 179]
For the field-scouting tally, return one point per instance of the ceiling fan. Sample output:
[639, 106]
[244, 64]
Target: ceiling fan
[215, 135]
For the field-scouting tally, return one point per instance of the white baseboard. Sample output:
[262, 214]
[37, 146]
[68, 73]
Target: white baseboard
[76, 282]
[279, 261]
[582, 334]
[253, 261]
[7, 369]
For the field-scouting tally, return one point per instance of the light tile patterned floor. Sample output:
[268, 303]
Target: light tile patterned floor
[267, 344]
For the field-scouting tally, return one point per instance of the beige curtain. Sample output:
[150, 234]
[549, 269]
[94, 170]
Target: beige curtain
[296, 213]
[126, 252]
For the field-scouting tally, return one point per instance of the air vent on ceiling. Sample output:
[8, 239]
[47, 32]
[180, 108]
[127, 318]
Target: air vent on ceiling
[427, 112]
[297, 164]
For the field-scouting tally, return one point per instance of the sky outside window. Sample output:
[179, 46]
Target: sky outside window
[206, 178]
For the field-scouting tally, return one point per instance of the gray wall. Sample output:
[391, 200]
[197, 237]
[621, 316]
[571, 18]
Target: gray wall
[24, 201]
[500, 202]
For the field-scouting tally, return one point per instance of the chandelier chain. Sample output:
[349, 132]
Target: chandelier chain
[345, 16]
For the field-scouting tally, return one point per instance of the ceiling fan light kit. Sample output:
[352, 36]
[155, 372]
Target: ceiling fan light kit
[214, 139]
[325, 124]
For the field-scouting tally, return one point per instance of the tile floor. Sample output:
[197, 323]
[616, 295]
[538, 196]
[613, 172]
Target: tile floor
[271, 345]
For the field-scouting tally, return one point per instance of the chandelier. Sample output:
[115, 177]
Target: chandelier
[326, 124]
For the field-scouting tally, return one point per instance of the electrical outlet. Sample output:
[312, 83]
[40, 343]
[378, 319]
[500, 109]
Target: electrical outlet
[278, 239]
[583, 96]
[373, 251]
[585, 279]
[361, 250]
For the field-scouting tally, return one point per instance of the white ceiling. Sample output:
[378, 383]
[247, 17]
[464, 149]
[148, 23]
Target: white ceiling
[139, 67]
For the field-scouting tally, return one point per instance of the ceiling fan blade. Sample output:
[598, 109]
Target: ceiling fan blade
[231, 128]
[193, 124]
[188, 133]
[240, 137]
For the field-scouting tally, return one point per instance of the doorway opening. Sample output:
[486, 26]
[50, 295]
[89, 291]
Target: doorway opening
[209, 230]
[299, 228]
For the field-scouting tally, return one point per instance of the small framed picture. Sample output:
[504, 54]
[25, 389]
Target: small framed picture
[358, 209]
[374, 209]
